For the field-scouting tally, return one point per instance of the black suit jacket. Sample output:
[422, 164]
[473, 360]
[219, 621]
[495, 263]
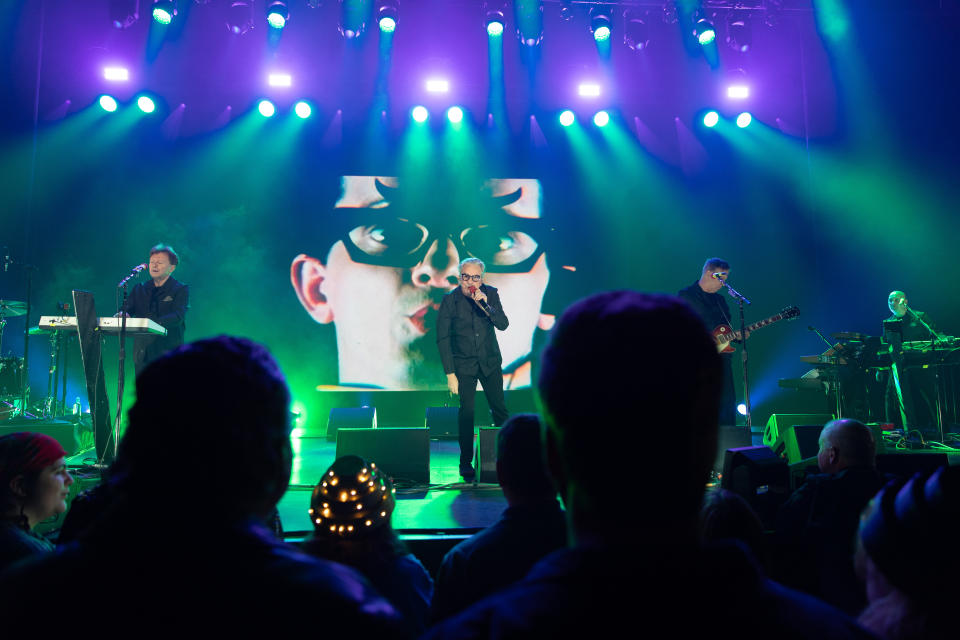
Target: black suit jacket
[465, 335]
[167, 306]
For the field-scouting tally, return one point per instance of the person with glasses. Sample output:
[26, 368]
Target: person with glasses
[390, 253]
[470, 353]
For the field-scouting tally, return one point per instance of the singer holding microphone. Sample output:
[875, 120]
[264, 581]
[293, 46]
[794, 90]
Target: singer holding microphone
[469, 351]
[164, 300]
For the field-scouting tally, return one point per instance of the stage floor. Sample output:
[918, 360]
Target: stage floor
[448, 506]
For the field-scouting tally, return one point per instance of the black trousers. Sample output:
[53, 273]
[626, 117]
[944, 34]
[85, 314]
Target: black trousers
[493, 389]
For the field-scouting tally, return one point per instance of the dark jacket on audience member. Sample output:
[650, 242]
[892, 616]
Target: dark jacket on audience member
[18, 544]
[166, 575]
[630, 592]
[816, 535]
[498, 556]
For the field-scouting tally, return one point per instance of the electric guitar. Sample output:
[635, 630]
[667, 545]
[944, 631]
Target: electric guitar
[723, 335]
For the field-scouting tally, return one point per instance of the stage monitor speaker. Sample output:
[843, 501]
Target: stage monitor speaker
[780, 422]
[798, 442]
[904, 465]
[64, 432]
[730, 437]
[758, 475]
[350, 418]
[403, 454]
[487, 454]
[442, 422]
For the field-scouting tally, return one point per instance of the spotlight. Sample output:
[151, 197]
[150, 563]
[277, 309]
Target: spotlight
[387, 15]
[303, 109]
[240, 17]
[279, 80]
[164, 11]
[420, 114]
[744, 120]
[739, 34]
[124, 13]
[600, 23]
[636, 33]
[567, 118]
[710, 119]
[455, 115]
[277, 14]
[266, 108]
[589, 90]
[353, 18]
[529, 18]
[738, 91]
[566, 10]
[742, 409]
[494, 17]
[116, 74]
[108, 103]
[704, 32]
[146, 104]
[438, 85]
[601, 119]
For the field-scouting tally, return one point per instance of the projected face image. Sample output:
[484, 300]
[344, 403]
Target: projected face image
[381, 282]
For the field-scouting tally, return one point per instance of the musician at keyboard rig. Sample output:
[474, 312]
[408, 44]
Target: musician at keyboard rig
[164, 300]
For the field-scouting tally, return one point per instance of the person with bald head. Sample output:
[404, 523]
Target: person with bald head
[817, 526]
[910, 390]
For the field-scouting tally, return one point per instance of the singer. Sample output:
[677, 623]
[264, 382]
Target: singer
[165, 301]
[705, 298]
[470, 353]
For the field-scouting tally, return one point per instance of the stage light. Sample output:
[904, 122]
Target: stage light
[744, 120]
[303, 109]
[636, 33]
[123, 13]
[567, 118]
[266, 108]
[279, 80]
[455, 115]
[420, 114]
[164, 11]
[353, 18]
[710, 119]
[600, 23]
[739, 33]
[240, 17]
[742, 409]
[438, 85]
[588, 90]
[116, 74]
[108, 103]
[601, 119]
[146, 104]
[738, 91]
[388, 13]
[278, 14]
[494, 17]
[704, 31]
[529, 18]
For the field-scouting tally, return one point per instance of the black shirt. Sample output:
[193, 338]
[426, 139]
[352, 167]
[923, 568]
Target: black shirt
[711, 307]
[167, 306]
[465, 335]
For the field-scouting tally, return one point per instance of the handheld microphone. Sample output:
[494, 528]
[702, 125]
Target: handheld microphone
[483, 305]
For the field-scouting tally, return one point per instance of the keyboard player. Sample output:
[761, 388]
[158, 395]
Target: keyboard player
[910, 392]
[164, 300]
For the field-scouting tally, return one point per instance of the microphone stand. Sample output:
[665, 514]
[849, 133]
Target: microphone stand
[835, 356]
[936, 336]
[742, 300]
[24, 367]
[122, 359]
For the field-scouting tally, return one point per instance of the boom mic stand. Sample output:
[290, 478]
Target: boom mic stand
[742, 300]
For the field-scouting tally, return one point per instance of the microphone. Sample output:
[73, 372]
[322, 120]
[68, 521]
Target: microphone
[140, 267]
[717, 274]
[483, 305]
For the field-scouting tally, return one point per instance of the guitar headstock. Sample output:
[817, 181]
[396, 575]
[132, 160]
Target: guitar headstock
[789, 313]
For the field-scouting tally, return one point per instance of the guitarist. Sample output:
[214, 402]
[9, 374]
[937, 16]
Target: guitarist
[704, 297]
